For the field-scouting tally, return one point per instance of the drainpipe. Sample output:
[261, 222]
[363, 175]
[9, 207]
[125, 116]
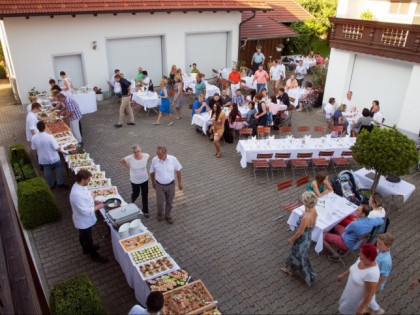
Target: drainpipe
[240, 24]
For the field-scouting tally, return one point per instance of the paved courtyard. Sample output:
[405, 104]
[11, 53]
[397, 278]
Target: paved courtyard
[224, 231]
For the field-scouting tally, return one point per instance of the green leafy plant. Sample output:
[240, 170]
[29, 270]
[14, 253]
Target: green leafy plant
[2, 72]
[366, 15]
[23, 171]
[319, 76]
[76, 295]
[35, 92]
[36, 203]
[386, 151]
[17, 152]
[321, 10]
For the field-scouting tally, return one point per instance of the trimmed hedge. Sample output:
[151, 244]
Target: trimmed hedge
[36, 203]
[21, 156]
[76, 295]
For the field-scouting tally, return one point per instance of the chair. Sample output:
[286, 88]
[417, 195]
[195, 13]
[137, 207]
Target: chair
[263, 132]
[309, 101]
[355, 250]
[343, 161]
[288, 206]
[261, 163]
[368, 128]
[338, 130]
[288, 120]
[320, 130]
[280, 162]
[244, 87]
[301, 162]
[216, 77]
[235, 129]
[302, 181]
[285, 131]
[302, 130]
[245, 132]
[136, 108]
[292, 100]
[378, 230]
[323, 160]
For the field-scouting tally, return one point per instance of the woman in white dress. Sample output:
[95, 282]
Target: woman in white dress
[68, 85]
[362, 282]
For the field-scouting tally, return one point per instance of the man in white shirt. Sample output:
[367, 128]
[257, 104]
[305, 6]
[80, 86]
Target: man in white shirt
[300, 72]
[277, 73]
[31, 121]
[154, 304]
[47, 150]
[146, 82]
[377, 118]
[112, 81]
[162, 174]
[348, 101]
[330, 109]
[84, 207]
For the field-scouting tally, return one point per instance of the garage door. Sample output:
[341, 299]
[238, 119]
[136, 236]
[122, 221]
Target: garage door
[383, 80]
[73, 67]
[127, 54]
[207, 50]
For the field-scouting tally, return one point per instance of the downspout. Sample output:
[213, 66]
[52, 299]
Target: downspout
[240, 24]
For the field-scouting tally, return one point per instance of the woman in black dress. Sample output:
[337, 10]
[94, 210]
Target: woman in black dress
[261, 115]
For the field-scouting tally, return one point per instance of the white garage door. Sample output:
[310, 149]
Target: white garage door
[127, 54]
[207, 50]
[382, 80]
[73, 67]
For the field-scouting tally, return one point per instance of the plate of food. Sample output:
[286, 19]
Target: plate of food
[157, 267]
[76, 157]
[104, 192]
[137, 241]
[73, 164]
[67, 140]
[57, 127]
[148, 253]
[192, 298]
[96, 183]
[169, 281]
[98, 175]
[63, 134]
[90, 168]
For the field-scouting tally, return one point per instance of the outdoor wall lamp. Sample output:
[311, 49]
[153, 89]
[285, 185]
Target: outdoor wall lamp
[94, 45]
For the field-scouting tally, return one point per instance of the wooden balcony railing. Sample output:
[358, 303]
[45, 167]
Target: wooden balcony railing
[391, 40]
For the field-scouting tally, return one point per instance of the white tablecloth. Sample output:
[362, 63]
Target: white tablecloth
[331, 209]
[225, 73]
[134, 280]
[352, 118]
[296, 93]
[210, 89]
[385, 187]
[147, 100]
[250, 148]
[309, 62]
[86, 101]
[248, 82]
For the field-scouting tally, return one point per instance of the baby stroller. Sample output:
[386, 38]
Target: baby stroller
[344, 185]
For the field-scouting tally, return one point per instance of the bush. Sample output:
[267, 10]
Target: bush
[20, 154]
[23, 171]
[36, 203]
[76, 295]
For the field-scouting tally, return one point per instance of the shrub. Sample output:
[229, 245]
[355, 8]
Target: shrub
[76, 295]
[36, 203]
[20, 154]
[23, 171]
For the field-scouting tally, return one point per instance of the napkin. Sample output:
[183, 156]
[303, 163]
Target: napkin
[347, 137]
[328, 136]
[254, 137]
[307, 137]
[290, 137]
[271, 137]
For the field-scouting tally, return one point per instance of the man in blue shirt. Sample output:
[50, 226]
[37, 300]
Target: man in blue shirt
[200, 106]
[200, 86]
[257, 59]
[346, 238]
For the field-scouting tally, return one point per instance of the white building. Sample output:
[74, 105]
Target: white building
[87, 42]
[378, 60]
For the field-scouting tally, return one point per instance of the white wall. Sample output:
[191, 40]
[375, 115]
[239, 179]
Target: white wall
[352, 9]
[33, 42]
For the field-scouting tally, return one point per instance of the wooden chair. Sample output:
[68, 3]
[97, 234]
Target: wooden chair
[261, 163]
[343, 161]
[302, 181]
[288, 120]
[309, 101]
[301, 162]
[285, 131]
[245, 132]
[290, 205]
[279, 163]
[246, 90]
[236, 129]
[302, 130]
[320, 130]
[263, 132]
[292, 100]
[323, 160]
[339, 130]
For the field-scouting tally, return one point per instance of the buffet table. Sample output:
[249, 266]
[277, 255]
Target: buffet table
[385, 187]
[251, 147]
[331, 209]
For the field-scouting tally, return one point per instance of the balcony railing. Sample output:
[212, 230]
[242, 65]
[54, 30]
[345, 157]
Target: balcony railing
[391, 40]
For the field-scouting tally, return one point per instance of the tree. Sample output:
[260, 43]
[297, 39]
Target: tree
[321, 10]
[387, 151]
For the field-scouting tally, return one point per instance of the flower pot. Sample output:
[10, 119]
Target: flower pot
[100, 97]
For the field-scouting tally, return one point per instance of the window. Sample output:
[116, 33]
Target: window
[399, 6]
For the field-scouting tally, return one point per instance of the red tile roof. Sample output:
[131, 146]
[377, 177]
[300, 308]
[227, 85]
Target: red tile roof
[263, 27]
[53, 7]
[287, 11]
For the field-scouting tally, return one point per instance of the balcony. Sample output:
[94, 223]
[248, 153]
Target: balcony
[391, 40]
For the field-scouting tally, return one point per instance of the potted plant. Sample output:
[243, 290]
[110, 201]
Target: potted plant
[99, 94]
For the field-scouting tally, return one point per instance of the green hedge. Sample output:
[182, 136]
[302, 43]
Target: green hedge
[76, 295]
[21, 156]
[2, 72]
[36, 203]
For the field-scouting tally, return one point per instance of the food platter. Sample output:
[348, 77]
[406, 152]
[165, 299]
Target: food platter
[96, 183]
[193, 298]
[145, 254]
[73, 164]
[75, 157]
[63, 134]
[67, 140]
[90, 168]
[157, 267]
[57, 127]
[169, 281]
[98, 175]
[137, 241]
[104, 192]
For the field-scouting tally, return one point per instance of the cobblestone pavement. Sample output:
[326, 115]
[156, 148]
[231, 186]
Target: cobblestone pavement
[224, 231]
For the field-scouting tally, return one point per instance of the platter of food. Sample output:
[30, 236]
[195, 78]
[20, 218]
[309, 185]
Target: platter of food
[90, 168]
[63, 134]
[76, 157]
[67, 140]
[77, 163]
[98, 175]
[145, 254]
[104, 192]
[137, 241]
[169, 281]
[57, 127]
[157, 267]
[192, 298]
[96, 183]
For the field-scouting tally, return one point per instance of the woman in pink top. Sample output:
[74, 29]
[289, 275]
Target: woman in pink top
[233, 115]
[261, 76]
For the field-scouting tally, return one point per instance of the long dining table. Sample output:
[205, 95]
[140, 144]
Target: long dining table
[251, 147]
